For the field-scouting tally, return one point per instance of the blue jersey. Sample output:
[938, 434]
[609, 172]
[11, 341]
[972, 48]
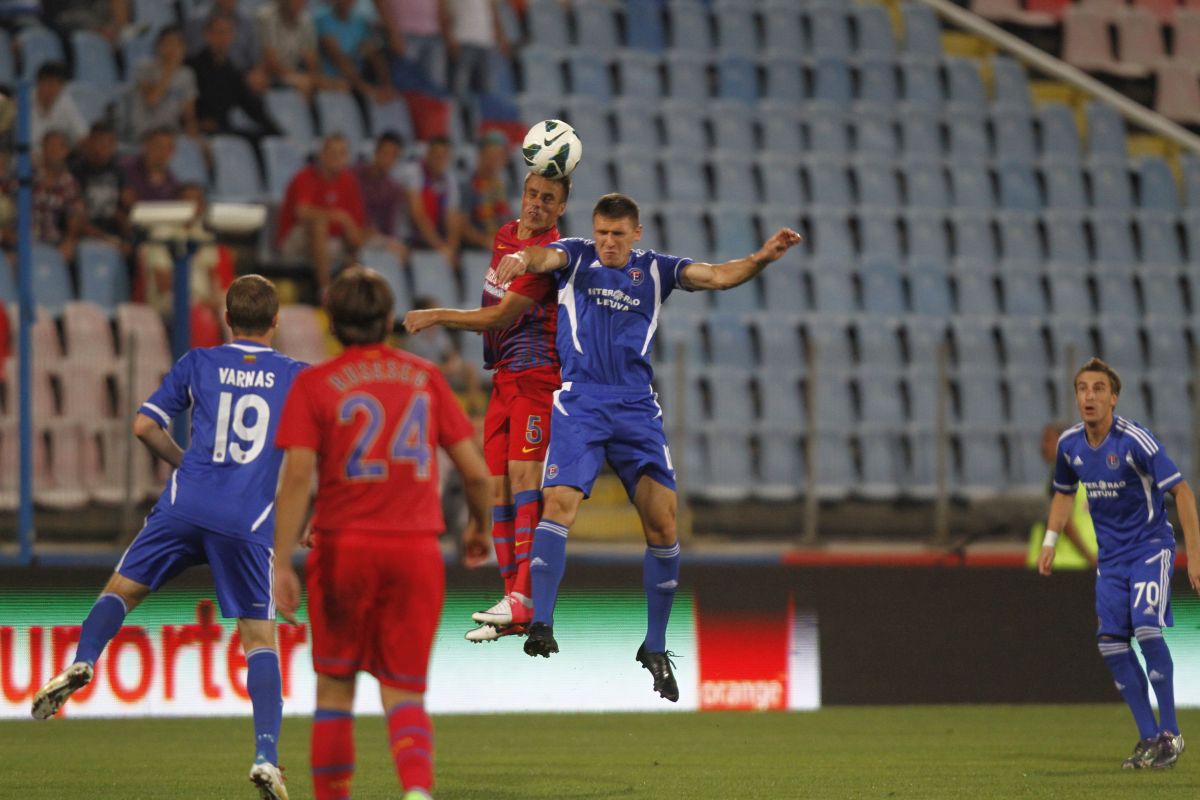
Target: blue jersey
[1125, 478]
[607, 316]
[226, 483]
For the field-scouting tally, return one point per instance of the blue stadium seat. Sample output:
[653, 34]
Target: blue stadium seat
[1106, 131]
[737, 79]
[736, 31]
[928, 290]
[8, 66]
[636, 127]
[828, 184]
[830, 27]
[1156, 185]
[393, 116]
[103, 276]
[875, 185]
[1010, 86]
[730, 465]
[541, 71]
[1026, 471]
[878, 346]
[925, 187]
[1111, 187]
[590, 75]
[690, 27]
[828, 131]
[384, 262]
[596, 25]
[976, 294]
[1159, 238]
[921, 136]
[1164, 296]
[37, 45]
[878, 85]
[783, 29]
[94, 60]
[732, 127]
[780, 346]
[187, 162]
[291, 113]
[882, 467]
[972, 186]
[974, 344]
[637, 176]
[1190, 165]
[922, 32]
[679, 329]
[687, 76]
[879, 235]
[8, 280]
[1172, 405]
[1116, 295]
[432, 276]
[876, 38]
[1133, 403]
[1114, 240]
[1064, 187]
[782, 128]
[1018, 188]
[922, 84]
[918, 480]
[1023, 345]
[135, 50]
[837, 476]
[92, 100]
[1019, 239]
[640, 75]
[51, 279]
[154, 14]
[923, 338]
[831, 238]
[730, 395]
[784, 78]
[834, 402]
[1023, 295]
[685, 229]
[1067, 334]
[1067, 242]
[921, 392]
[1060, 135]
[964, 84]
[547, 21]
[926, 233]
[1069, 297]
[882, 290]
[338, 113]
[1168, 346]
[974, 239]
[685, 180]
[781, 467]
[832, 82]
[729, 340]
[1120, 344]
[781, 179]
[981, 472]
[968, 139]
[783, 288]
[585, 114]
[235, 173]
[745, 299]
[283, 158]
[875, 135]
[733, 231]
[979, 395]
[832, 288]
[474, 269]
[1013, 136]
[644, 25]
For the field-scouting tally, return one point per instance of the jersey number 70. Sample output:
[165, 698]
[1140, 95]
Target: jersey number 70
[409, 444]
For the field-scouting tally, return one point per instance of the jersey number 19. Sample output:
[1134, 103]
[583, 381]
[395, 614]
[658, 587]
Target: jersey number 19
[255, 434]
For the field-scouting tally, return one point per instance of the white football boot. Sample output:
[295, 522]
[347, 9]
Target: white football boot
[499, 614]
[268, 778]
[51, 697]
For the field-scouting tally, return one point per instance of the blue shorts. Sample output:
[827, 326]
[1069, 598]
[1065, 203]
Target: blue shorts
[243, 571]
[591, 424]
[1135, 593]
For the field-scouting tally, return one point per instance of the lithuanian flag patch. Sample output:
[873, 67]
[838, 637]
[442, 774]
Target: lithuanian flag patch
[249, 358]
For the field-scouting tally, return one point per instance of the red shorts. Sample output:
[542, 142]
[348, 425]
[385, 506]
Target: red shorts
[517, 425]
[374, 601]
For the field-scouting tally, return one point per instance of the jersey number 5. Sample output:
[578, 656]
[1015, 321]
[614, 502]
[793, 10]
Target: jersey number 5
[409, 444]
[255, 434]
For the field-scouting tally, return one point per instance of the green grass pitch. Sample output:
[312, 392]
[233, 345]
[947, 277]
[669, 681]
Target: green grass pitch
[895, 752]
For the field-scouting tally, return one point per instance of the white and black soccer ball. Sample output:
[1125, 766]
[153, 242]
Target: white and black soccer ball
[552, 148]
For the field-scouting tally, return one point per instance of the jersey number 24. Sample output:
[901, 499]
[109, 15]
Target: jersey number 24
[409, 444]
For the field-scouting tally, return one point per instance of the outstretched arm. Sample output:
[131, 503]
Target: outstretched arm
[1185, 504]
[734, 273]
[1060, 513]
[487, 318]
[531, 259]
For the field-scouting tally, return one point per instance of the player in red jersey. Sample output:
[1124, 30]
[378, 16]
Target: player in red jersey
[370, 422]
[518, 321]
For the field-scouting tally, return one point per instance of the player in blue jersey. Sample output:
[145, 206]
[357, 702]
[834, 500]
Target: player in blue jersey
[217, 509]
[1126, 474]
[609, 299]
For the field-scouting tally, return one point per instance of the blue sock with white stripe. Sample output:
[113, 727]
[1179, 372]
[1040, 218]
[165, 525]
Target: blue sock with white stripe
[549, 559]
[102, 623]
[1161, 670]
[1131, 683]
[660, 578]
[265, 686]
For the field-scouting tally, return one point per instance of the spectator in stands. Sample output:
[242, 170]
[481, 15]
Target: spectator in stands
[58, 213]
[418, 30]
[384, 196]
[476, 35]
[222, 87]
[437, 345]
[53, 107]
[350, 51]
[485, 194]
[433, 202]
[105, 17]
[148, 175]
[100, 181]
[322, 218]
[243, 52]
[164, 88]
[287, 37]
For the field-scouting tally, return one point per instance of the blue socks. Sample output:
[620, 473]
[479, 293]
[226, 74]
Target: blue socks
[102, 623]
[265, 686]
[1131, 683]
[660, 578]
[549, 559]
[1161, 669]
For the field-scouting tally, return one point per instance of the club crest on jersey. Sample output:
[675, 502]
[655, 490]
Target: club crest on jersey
[552, 471]
[1112, 461]
[636, 276]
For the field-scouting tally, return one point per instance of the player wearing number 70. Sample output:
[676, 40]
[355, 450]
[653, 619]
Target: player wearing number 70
[217, 509]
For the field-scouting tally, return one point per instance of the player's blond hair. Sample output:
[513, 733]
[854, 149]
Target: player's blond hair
[1096, 365]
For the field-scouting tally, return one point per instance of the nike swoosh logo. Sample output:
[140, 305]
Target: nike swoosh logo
[501, 247]
[528, 449]
[548, 142]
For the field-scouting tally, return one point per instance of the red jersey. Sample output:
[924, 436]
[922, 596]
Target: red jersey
[529, 341]
[310, 188]
[376, 417]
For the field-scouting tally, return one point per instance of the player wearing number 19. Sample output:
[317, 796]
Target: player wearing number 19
[217, 508]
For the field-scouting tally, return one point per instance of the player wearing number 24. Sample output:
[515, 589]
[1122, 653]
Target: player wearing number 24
[216, 509]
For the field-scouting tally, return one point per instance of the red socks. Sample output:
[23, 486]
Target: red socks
[529, 513]
[411, 736]
[332, 754]
[502, 539]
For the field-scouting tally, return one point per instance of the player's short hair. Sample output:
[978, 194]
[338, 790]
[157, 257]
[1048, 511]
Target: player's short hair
[55, 70]
[562, 180]
[359, 303]
[617, 206]
[252, 304]
[1096, 365]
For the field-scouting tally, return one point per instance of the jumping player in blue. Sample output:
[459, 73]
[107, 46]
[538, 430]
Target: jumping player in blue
[217, 509]
[609, 299]
[1126, 473]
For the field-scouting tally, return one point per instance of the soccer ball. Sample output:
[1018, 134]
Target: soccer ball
[552, 148]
